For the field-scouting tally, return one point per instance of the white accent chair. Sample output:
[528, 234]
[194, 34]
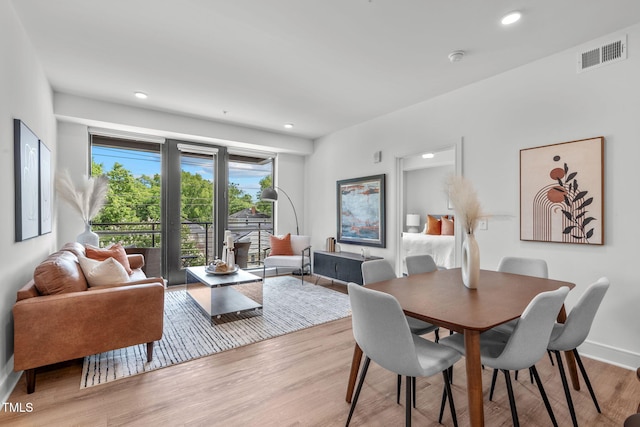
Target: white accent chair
[301, 258]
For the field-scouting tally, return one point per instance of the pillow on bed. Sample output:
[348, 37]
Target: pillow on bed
[434, 226]
[446, 226]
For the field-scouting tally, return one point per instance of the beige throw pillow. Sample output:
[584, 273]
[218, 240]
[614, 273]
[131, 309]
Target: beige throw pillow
[99, 273]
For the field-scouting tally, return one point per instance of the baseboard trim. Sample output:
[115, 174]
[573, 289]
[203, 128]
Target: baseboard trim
[609, 354]
[9, 382]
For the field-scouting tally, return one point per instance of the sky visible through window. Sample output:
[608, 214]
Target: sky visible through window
[246, 175]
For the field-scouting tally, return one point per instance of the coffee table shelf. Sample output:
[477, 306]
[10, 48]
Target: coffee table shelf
[215, 295]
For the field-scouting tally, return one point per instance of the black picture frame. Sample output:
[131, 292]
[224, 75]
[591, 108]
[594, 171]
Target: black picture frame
[361, 211]
[27, 181]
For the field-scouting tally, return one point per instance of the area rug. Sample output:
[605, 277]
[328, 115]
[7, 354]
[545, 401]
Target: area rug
[188, 334]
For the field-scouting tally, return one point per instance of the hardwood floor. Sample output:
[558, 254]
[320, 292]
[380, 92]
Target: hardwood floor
[299, 379]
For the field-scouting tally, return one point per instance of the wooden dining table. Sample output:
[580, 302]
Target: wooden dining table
[440, 298]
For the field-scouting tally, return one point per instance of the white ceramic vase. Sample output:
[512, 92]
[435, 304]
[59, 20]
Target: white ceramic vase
[88, 237]
[470, 262]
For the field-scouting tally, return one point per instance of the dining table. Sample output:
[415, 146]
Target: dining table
[441, 298]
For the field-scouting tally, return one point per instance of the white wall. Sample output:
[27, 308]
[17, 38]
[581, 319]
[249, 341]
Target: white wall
[24, 94]
[542, 103]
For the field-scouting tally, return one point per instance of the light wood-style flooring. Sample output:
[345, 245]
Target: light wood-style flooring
[300, 379]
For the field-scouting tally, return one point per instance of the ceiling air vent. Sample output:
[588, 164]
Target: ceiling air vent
[603, 54]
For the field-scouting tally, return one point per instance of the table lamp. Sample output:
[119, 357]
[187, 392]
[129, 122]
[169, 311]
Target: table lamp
[413, 223]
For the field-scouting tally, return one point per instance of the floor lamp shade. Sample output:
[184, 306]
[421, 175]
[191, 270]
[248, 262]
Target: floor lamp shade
[413, 223]
[270, 194]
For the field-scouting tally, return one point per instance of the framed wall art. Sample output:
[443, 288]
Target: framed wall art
[26, 172]
[361, 211]
[46, 191]
[562, 192]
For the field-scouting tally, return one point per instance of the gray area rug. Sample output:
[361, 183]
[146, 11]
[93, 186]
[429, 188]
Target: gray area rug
[288, 306]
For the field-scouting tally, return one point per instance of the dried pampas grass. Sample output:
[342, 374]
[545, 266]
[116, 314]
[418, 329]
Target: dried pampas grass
[465, 201]
[87, 198]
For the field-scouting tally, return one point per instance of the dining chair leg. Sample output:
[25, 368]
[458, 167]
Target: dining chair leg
[493, 383]
[365, 367]
[452, 406]
[442, 403]
[437, 334]
[398, 391]
[565, 386]
[586, 379]
[413, 393]
[408, 402]
[534, 373]
[512, 401]
[550, 357]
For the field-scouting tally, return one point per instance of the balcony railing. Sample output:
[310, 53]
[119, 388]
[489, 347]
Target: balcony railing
[198, 245]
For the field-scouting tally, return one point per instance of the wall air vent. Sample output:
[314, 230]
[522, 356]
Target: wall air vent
[604, 54]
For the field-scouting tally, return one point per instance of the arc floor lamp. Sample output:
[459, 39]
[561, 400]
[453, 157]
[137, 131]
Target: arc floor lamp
[270, 194]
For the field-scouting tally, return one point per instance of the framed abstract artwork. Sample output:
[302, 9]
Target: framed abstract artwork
[562, 192]
[26, 173]
[46, 191]
[361, 211]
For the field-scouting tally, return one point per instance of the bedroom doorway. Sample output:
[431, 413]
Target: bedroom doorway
[421, 179]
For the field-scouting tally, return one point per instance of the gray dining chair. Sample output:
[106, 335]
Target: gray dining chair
[420, 263]
[381, 330]
[568, 336]
[526, 267]
[378, 270]
[523, 348]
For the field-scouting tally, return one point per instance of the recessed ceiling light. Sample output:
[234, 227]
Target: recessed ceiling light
[511, 18]
[456, 56]
[288, 125]
[140, 95]
[428, 156]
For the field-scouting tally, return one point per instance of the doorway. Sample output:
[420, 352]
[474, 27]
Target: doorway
[421, 180]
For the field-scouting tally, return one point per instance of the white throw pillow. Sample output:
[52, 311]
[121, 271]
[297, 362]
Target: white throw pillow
[105, 272]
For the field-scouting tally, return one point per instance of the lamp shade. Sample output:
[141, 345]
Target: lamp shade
[269, 194]
[413, 222]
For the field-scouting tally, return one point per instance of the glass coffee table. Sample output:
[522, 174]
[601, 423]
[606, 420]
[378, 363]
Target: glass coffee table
[217, 294]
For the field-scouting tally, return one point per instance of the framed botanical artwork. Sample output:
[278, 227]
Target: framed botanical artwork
[27, 175]
[562, 192]
[361, 211]
[46, 191]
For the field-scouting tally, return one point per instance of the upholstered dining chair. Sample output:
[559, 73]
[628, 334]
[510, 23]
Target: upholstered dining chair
[568, 336]
[378, 270]
[523, 348]
[420, 263]
[381, 330]
[526, 267]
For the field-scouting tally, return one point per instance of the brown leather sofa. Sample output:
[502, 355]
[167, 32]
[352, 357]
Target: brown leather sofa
[72, 320]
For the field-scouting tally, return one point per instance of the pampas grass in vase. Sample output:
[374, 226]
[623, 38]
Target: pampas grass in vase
[86, 199]
[465, 202]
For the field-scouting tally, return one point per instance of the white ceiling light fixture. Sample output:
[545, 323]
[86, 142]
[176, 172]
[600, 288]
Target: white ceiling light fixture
[511, 18]
[140, 95]
[428, 156]
[456, 56]
[288, 125]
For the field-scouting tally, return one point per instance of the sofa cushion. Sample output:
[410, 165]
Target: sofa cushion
[75, 248]
[100, 273]
[280, 245]
[115, 251]
[59, 273]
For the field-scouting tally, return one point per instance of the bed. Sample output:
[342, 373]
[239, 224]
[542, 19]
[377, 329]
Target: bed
[441, 248]
[436, 239]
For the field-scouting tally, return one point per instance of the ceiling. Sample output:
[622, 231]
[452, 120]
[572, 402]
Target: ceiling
[322, 65]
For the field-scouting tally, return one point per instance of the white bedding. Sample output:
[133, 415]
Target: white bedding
[441, 248]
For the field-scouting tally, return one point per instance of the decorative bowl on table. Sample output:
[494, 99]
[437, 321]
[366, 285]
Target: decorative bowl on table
[220, 268]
